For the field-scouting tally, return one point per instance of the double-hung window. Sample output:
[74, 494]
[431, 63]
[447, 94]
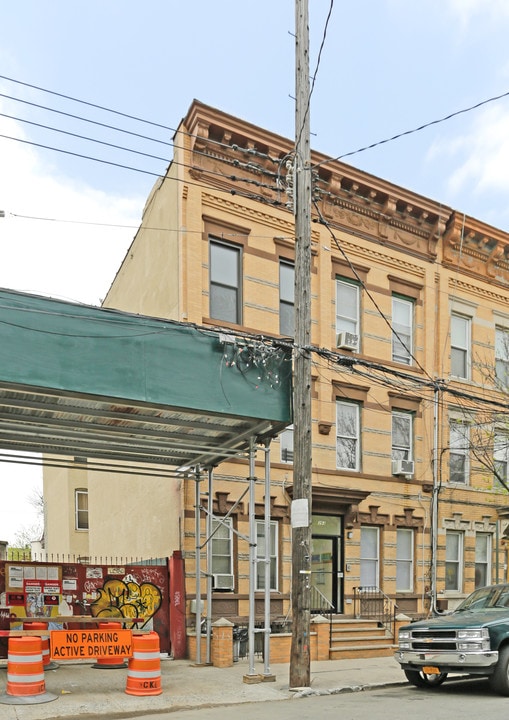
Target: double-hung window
[460, 346]
[286, 298]
[482, 559]
[347, 435]
[402, 435]
[459, 452]
[260, 555]
[81, 509]
[402, 326]
[453, 560]
[225, 276]
[502, 357]
[404, 560]
[347, 308]
[501, 457]
[370, 556]
[222, 553]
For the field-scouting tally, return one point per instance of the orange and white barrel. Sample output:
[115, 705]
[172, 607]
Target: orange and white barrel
[109, 663]
[25, 673]
[144, 667]
[47, 663]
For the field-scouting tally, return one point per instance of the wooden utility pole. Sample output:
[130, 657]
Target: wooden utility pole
[301, 505]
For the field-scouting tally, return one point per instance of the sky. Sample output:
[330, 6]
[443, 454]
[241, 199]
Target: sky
[379, 69]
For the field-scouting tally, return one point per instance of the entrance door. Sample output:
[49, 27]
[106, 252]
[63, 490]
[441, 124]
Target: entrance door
[327, 563]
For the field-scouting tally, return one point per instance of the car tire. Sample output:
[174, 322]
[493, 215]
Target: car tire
[499, 681]
[421, 680]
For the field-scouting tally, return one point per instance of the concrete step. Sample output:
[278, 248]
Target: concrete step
[364, 640]
[361, 651]
[345, 633]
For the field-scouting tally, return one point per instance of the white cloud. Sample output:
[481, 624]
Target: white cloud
[74, 260]
[481, 154]
[468, 10]
[59, 259]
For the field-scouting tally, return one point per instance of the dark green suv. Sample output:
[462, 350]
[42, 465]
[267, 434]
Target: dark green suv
[472, 640]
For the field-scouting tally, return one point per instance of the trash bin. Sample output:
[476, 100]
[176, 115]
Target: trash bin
[243, 640]
[236, 644]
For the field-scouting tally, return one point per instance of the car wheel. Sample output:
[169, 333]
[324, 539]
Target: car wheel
[421, 680]
[499, 681]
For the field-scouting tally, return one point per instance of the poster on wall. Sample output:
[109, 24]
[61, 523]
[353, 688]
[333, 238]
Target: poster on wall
[35, 590]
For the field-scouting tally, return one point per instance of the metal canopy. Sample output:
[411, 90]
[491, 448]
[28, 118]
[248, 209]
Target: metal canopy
[108, 386]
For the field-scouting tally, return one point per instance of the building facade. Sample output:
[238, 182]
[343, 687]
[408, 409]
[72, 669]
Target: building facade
[410, 351]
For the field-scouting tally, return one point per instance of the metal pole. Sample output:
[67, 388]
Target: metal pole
[434, 509]
[210, 506]
[252, 555]
[198, 569]
[268, 549]
[301, 505]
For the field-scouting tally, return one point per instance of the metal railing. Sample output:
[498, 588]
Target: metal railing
[372, 603]
[320, 605]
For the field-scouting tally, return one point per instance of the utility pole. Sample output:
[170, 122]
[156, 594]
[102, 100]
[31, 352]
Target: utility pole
[301, 505]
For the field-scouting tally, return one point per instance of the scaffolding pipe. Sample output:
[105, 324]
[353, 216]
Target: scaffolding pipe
[210, 507]
[198, 569]
[252, 556]
[268, 548]
[434, 509]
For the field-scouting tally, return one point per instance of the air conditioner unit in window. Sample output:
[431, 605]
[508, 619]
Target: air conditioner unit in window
[287, 455]
[223, 581]
[402, 467]
[347, 341]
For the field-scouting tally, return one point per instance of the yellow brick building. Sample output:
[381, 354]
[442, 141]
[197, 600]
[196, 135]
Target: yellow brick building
[410, 322]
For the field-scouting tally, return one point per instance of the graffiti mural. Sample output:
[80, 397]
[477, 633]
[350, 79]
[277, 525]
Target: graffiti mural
[127, 599]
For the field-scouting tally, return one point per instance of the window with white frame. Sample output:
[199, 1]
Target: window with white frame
[224, 287]
[222, 548]
[347, 435]
[460, 346]
[370, 556]
[260, 555]
[81, 509]
[502, 357]
[402, 326]
[402, 433]
[404, 560]
[482, 559]
[459, 452]
[501, 457]
[286, 445]
[453, 560]
[347, 307]
[286, 298]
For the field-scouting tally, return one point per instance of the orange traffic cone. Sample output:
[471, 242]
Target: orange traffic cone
[144, 667]
[47, 663]
[113, 662]
[25, 674]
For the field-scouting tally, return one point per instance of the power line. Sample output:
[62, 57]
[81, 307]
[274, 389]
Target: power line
[414, 130]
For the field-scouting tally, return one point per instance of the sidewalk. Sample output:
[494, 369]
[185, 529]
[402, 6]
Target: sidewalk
[82, 689]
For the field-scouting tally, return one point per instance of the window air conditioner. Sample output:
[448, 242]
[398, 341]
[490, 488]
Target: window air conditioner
[287, 455]
[223, 581]
[402, 467]
[347, 341]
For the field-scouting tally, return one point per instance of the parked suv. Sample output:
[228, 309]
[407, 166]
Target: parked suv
[471, 640]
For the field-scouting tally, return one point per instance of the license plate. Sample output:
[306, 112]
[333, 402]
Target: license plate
[430, 670]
